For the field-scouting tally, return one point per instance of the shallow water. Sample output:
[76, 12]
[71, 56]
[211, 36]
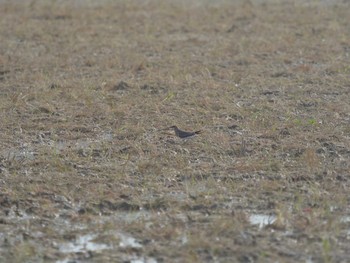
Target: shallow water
[261, 220]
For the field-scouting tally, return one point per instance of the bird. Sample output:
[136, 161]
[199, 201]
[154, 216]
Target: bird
[183, 134]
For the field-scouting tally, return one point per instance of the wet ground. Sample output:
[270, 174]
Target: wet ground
[89, 172]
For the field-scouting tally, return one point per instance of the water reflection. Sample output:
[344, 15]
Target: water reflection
[261, 220]
[82, 244]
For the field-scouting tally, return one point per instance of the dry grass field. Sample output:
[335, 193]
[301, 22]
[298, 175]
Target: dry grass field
[88, 172]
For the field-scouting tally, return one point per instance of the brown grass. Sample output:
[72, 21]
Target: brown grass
[87, 87]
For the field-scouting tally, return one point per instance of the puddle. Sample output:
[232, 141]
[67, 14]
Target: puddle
[82, 244]
[261, 220]
[128, 241]
[137, 259]
[85, 243]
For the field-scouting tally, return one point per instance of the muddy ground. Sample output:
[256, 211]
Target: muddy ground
[88, 172]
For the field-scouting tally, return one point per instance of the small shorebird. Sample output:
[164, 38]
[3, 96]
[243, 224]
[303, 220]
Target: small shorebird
[183, 134]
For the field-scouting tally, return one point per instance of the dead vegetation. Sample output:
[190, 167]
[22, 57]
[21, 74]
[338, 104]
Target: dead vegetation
[87, 87]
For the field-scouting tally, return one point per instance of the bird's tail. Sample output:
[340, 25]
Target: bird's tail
[198, 132]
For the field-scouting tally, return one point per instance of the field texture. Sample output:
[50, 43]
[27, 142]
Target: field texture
[89, 172]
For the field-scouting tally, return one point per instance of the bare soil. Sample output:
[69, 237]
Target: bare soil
[88, 172]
